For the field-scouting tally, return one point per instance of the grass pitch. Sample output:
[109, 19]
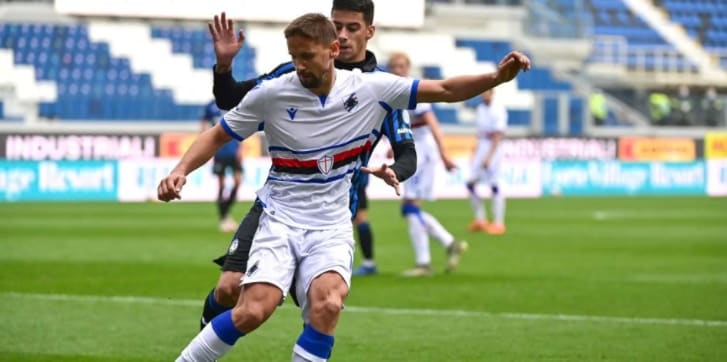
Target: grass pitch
[574, 279]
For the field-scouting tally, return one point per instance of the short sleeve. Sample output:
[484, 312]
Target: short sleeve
[247, 118]
[397, 92]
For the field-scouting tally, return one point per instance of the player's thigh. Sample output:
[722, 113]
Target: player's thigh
[272, 260]
[218, 166]
[238, 251]
[363, 198]
[331, 251]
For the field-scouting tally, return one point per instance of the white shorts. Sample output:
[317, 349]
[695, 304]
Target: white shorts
[280, 252]
[420, 186]
[491, 174]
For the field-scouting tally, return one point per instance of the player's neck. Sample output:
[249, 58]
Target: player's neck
[327, 84]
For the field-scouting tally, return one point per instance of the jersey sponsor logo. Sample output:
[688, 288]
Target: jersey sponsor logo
[325, 164]
[291, 112]
[351, 102]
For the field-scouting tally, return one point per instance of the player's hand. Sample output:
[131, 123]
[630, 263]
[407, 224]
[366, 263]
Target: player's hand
[226, 43]
[449, 165]
[510, 65]
[170, 187]
[385, 173]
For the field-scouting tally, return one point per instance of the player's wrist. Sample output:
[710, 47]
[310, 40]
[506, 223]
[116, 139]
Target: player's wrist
[223, 67]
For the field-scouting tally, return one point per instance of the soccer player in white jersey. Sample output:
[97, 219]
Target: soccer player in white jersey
[316, 121]
[491, 125]
[429, 143]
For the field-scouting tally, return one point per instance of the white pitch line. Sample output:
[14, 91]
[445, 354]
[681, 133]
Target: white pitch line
[381, 310]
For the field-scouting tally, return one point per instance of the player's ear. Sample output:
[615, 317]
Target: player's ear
[335, 49]
[370, 30]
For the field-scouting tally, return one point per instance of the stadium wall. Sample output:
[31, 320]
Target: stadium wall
[127, 168]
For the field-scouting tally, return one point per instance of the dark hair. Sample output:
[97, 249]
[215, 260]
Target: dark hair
[359, 6]
[312, 26]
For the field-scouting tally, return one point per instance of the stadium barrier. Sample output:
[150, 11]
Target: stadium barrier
[35, 167]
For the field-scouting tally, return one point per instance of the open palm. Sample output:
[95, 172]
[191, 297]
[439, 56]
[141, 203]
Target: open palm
[226, 43]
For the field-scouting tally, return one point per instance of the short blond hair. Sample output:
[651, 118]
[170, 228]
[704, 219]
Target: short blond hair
[313, 26]
[399, 55]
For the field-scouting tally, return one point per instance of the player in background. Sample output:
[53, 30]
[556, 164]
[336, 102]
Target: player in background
[229, 157]
[354, 23]
[429, 143]
[491, 121]
[305, 234]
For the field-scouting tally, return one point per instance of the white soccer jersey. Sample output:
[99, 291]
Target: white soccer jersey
[316, 142]
[490, 120]
[421, 185]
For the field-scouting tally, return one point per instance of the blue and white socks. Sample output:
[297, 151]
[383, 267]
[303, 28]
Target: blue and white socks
[312, 346]
[214, 341]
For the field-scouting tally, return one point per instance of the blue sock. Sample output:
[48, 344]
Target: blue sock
[412, 209]
[211, 309]
[315, 343]
[225, 329]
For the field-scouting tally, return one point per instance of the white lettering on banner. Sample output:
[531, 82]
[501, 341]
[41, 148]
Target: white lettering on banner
[612, 174]
[138, 179]
[560, 148]
[15, 181]
[518, 178]
[664, 177]
[74, 147]
[717, 177]
[52, 178]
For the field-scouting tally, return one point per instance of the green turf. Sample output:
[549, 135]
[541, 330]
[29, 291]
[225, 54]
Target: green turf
[655, 268]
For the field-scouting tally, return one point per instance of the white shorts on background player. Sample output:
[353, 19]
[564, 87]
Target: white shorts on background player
[281, 252]
[490, 175]
[489, 120]
[420, 186]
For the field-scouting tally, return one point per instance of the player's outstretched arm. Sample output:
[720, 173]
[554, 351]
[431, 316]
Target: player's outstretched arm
[457, 89]
[385, 173]
[201, 150]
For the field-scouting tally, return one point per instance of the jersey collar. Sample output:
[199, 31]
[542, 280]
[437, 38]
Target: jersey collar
[367, 65]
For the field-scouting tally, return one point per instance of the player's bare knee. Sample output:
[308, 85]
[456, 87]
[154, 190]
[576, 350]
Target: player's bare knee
[327, 294]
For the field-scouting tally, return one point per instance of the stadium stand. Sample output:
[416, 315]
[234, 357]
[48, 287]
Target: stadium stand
[161, 71]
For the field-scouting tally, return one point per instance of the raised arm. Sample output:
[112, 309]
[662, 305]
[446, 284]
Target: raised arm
[227, 91]
[460, 88]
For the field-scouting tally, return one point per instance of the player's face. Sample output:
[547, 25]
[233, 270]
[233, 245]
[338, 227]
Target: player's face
[353, 34]
[313, 61]
[399, 66]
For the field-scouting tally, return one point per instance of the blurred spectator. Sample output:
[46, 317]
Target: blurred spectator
[711, 108]
[683, 106]
[659, 108]
[598, 108]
